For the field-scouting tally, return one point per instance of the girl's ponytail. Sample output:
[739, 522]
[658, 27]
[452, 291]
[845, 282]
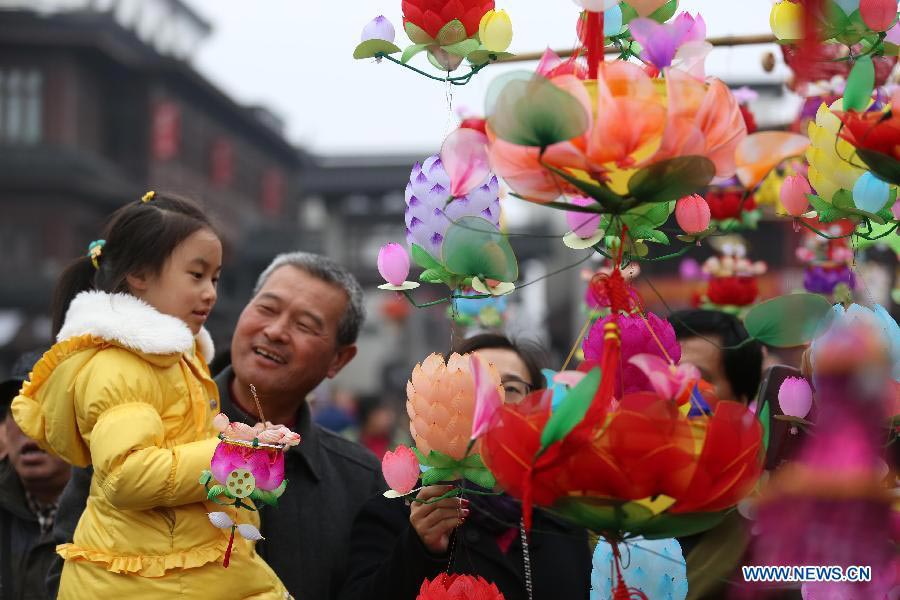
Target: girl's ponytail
[76, 278]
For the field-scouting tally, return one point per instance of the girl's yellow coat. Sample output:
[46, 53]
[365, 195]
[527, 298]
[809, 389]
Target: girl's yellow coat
[127, 389]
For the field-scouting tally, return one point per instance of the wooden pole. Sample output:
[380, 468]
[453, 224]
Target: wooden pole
[726, 41]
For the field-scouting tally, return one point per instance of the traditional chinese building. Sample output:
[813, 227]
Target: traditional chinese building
[98, 103]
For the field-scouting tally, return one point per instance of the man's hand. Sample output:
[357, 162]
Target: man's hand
[435, 522]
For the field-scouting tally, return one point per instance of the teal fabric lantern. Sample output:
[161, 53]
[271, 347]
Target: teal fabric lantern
[656, 567]
[870, 193]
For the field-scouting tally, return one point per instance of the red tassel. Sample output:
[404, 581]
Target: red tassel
[229, 548]
[810, 48]
[595, 42]
[620, 590]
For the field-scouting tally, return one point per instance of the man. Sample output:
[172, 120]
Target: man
[716, 343]
[299, 328]
[30, 484]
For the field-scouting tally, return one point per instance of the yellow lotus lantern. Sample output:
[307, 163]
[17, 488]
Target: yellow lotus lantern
[832, 160]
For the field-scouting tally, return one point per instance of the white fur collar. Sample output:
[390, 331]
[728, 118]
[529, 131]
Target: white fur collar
[132, 323]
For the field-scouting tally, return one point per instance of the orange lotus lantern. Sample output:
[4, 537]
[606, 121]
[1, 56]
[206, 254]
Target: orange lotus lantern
[601, 134]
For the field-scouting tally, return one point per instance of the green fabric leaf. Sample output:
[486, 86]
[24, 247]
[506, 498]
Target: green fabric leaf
[473, 246]
[648, 216]
[416, 34]
[479, 57]
[463, 48]
[860, 84]
[665, 12]
[653, 235]
[787, 321]
[668, 525]
[628, 13]
[436, 475]
[843, 201]
[608, 199]
[205, 476]
[421, 457]
[885, 167]
[264, 496]
[765, 422]
[423, 259]
[434, 276]
[216, 490]
[671, 179]
[535, 112]
[825, 211]
[451, 33]
[370, 48]
[411, 51]
[571, 410]
[442, 461]
[481, 477]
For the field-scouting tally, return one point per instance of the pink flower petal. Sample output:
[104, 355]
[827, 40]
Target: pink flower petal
[464, 156]
[487, 398]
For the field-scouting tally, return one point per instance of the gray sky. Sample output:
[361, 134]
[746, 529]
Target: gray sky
[295, 57]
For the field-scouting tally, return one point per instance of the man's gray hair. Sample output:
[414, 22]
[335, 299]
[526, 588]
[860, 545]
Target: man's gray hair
[331, 272]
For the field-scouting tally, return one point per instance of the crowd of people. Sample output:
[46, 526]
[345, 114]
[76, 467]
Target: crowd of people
[105, 433]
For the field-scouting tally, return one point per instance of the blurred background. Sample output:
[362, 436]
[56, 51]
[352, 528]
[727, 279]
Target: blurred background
[258, 111]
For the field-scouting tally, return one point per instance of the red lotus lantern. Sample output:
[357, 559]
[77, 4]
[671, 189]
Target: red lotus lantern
[458, 587]
[432, 15]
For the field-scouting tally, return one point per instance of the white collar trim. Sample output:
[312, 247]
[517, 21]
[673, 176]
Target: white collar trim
[131, 322]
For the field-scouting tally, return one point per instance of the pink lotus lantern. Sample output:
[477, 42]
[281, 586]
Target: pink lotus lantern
[793, 196]
[878, 14]
[393, 265]
[692, 214]
[401, 471]
[795, 397]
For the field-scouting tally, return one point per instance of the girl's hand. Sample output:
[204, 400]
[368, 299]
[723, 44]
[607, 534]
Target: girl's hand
[435, 522]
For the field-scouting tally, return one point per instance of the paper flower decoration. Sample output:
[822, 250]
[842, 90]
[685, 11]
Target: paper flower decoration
[430, 210]
[655, 567]
[612, 138]
[637, 338]
[495, 31]
[870, 193]
[794, 192]
[441, 404]
[488, 397]
[786, 20]
[401, 471]
[378, 28]
[692, 214]
[832, 161]
[636, 466]
[879, 15]
[431, 16]
[242, 469]
[795, 397]
[661, 41]
[393, 265]
[874, 136]
[458, 587]
[669, 381]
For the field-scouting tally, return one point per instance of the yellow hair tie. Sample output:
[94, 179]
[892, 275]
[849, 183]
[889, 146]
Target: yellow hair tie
[148, 196]
[95, 250]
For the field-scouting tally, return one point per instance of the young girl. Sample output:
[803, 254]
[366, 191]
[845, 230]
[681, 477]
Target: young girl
[127, 389]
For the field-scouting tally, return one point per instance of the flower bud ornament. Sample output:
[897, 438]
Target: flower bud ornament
[378, 28]
[692, 214]
[393, 265]
[495, 31]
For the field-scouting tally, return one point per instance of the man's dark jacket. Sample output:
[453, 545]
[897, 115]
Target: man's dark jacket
[388, 560]
[307, 535]
[25, 553]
